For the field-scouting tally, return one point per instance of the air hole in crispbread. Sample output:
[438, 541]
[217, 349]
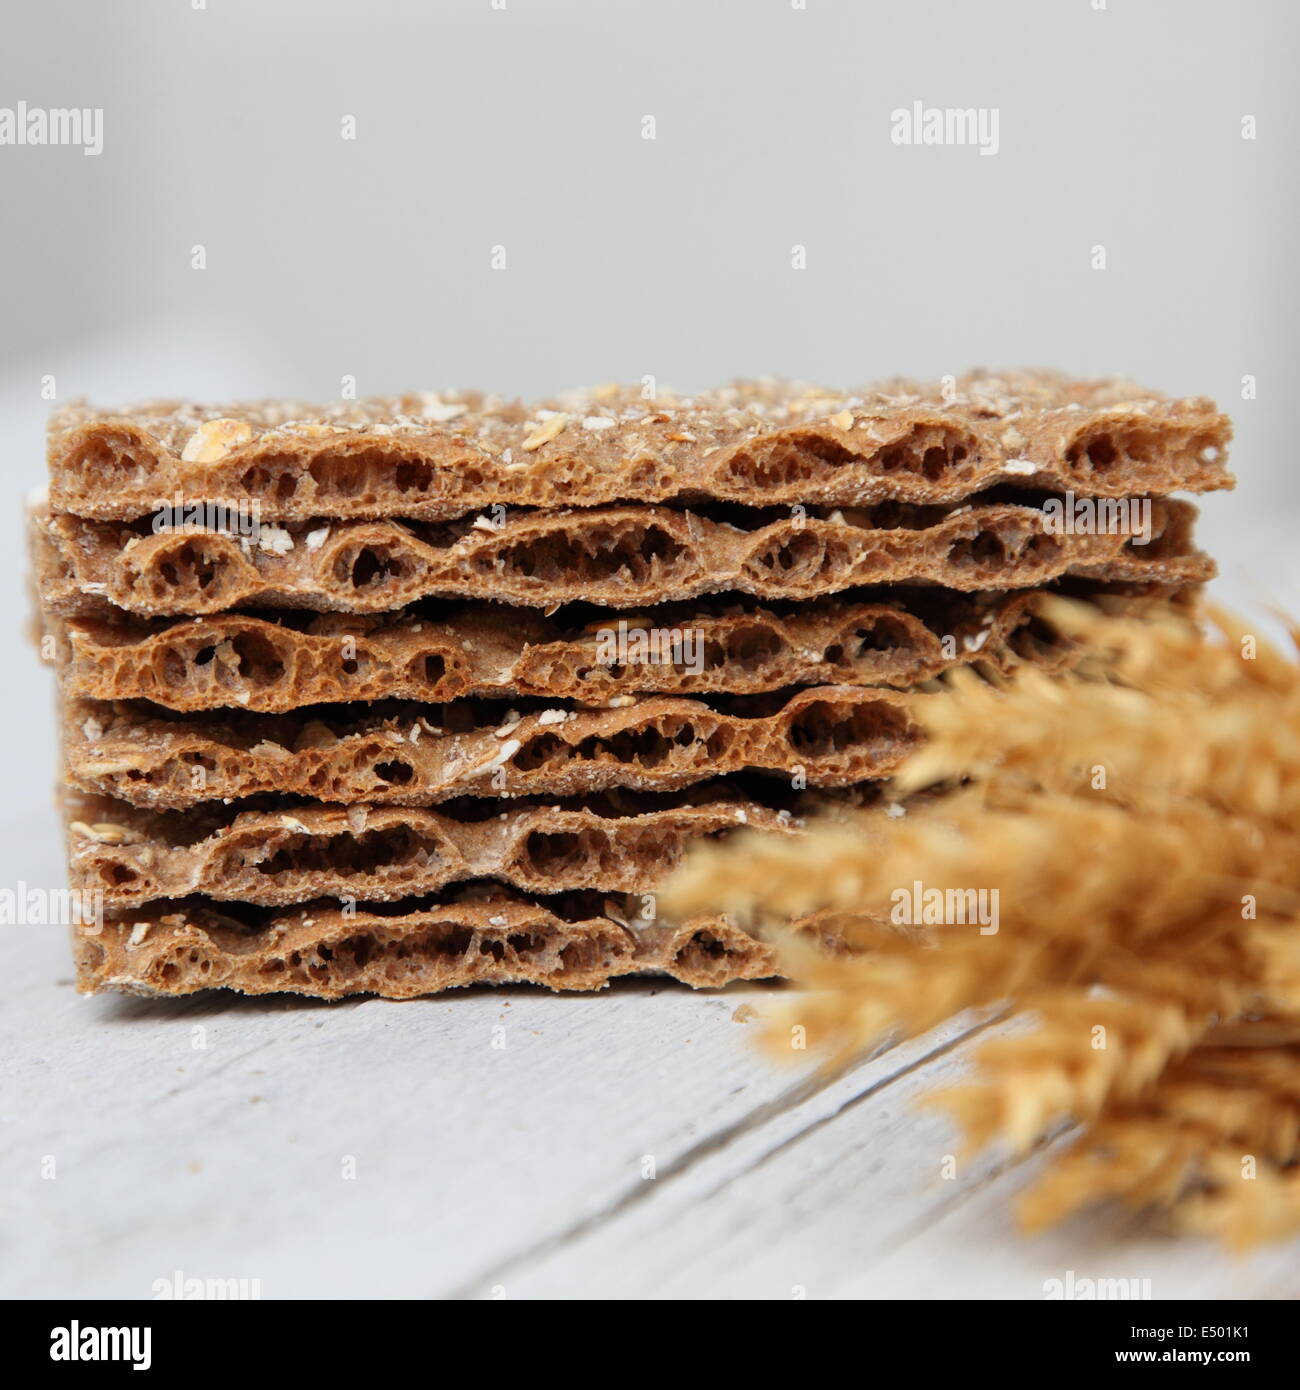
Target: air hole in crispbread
[428, 669]
[370, 566]
[1035, 636]
[275, 476]
[782, 462]
[933, 463]
[1101, 452]
[367, 853]
[706, 955]
[747, 647]
[600, 552]
[395, 772]
[188, 567]
[349, 472]
[928, 453]
[802, 551]
[985, 548]
[525, 944]
[551, 854]
[584, 954]
[648, 747]
[883, 634]
[106, 457]
[825, 728]
[412, 475]
[259, 660]
[173, 666]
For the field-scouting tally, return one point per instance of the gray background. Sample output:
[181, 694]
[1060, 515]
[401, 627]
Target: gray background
[521, 127]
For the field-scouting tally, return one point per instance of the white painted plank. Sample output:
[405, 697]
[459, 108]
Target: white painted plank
[685, 1209]
[225, 1160]
[968, 1252]
[791, 1211]
[518, 1168]
[856, 1208]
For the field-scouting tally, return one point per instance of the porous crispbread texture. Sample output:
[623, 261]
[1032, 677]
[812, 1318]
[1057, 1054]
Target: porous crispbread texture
[418, 755]
[617, 556]
[281, 661]
[435, 457]
[474, 932]
[577, 942]
[381, 853]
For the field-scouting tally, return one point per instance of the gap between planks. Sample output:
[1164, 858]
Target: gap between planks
[858, 1072]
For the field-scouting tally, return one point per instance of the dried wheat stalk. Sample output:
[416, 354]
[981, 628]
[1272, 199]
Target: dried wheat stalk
[1137, 821]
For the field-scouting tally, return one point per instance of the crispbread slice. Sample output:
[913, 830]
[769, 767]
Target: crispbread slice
[407, 949]
[383, 853]
[278, 661]
[419, 755]
[616, 556]
[436, 457]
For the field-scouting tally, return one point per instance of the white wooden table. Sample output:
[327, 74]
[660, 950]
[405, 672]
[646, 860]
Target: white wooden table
[213, 1137]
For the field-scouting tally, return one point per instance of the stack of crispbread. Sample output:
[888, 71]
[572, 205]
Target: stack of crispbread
[410, 693]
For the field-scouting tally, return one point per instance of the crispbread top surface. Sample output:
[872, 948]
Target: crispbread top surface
[730, 412]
